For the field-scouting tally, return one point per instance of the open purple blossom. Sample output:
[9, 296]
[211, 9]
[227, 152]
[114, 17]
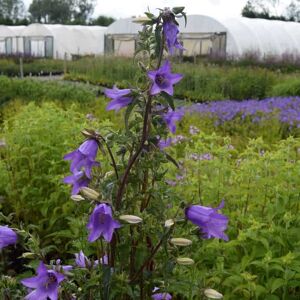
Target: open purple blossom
[84, 157]
[171, 31]
[211, 223]
[161, 296]
[172, 117]
[7, 237]
[163, 80]
[119, 98]
[45, 285]
[78, 180]
[101, 223]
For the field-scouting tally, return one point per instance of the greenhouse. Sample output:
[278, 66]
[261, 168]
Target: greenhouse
[205, 35]
[52, 41]
[11, 41]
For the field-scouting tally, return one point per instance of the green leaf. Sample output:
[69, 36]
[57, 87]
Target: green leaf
[169, 99]
[276, 284]
[178, 10]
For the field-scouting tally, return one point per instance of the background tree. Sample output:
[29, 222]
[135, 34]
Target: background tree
[11, 11]
[102, 21]
[272, 10]
[82, 10]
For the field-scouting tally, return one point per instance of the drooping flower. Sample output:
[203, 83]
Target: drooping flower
[7, 237]
[101, 223]
[84, 157]
[171, 31]
[163, 80]
[45, 285]
[119, 98]
[161, 296]
[211, 223]
[83, 261]
[78, 180]
[171, 117]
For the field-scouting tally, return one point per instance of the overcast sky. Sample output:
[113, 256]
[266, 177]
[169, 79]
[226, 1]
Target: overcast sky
[123, 8]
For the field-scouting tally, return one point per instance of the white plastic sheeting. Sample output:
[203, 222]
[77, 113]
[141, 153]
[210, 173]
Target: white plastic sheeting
[67, 39]
[243, 35]
[52, 40]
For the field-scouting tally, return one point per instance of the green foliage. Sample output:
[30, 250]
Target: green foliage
[32, 169]
[200, 83]
[287, 88]
[10, 66]
[260, 188]
[33, 90]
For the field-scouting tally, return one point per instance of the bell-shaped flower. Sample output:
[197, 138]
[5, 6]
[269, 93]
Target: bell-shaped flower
[84, 157]
[7, 237]
[161, 296]
[171, 31]
[101, 223]
[78, 180]
[163, 80]
[45, 285]
[172, 117]
[211, 223]
[119, 98]
[83, 261]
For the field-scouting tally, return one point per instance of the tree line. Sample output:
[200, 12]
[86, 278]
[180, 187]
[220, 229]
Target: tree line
[76, 12]
[272, 10]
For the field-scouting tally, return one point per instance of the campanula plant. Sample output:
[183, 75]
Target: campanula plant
[131, 221]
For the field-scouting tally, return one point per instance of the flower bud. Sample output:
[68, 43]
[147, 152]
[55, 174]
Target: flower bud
[181, 242]
[29, 255]
[89, 193]
[77, 198]
[131, 219]
[212, 294]
[185, 261]
[169, 223]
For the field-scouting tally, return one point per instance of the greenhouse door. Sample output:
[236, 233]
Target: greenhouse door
[2, 46]
[38, 48]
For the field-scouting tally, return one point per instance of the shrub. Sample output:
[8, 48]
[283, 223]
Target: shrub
[290, 87]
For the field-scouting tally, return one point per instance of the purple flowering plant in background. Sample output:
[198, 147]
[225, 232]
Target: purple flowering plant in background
[7, 237]
[45, 285]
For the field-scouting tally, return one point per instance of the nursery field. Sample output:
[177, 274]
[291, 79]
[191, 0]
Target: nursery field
[246, 153]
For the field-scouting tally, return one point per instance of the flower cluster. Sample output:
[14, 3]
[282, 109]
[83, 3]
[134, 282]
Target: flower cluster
[83, 159]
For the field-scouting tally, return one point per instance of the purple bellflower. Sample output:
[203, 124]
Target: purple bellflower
[163, 80]
[161, 296]
[7, 237]
[83, 261]
[119, 98]
[171, 31]
[78, 180]
[84, 157]
[101, 223]
[211, 223]
[45, 284]
[171, 117]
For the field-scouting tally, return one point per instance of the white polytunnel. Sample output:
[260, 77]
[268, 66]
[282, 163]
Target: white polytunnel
[11, 41]
[58, 41]
[205, 35]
